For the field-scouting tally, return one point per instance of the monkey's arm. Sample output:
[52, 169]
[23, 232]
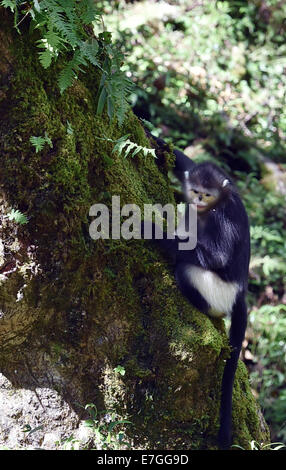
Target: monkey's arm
[182, 162]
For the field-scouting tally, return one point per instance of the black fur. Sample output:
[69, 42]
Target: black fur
[223, 247]
[183, 162]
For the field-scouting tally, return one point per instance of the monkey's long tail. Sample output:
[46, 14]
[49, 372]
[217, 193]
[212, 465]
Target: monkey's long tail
[236, 337]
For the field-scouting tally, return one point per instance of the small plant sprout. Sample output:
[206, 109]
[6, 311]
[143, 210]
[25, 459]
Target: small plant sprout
[39, 142]
[17, 217]
[103, 427]
[254, 445]
[119, 370]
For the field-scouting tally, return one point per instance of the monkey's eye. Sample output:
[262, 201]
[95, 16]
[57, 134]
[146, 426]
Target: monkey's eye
[195, 191]
[208, 194]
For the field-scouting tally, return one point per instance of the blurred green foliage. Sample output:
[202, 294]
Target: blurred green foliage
[221, 63]
[268, 324]
[211, 79]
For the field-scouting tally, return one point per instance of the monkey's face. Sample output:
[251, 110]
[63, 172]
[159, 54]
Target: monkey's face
[203, 198]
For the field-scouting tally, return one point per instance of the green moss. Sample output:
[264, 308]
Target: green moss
[247, 418]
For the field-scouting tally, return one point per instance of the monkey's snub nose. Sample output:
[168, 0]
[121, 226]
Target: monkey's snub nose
[200, 197]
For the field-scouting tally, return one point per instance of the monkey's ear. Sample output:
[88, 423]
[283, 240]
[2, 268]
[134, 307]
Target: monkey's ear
[225, 183]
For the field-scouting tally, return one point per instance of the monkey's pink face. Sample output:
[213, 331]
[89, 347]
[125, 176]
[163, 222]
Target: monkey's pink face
[203, 198]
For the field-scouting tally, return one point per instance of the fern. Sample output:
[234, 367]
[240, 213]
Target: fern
[114, 89]
[125, 146]
[18, 217]
[70, 71]
[125, 142]
[89, 12]
[12, 4]
[89, 50]
[45, 58]
[118, 88]
[39, 142]
[53, 40]
[63, 27]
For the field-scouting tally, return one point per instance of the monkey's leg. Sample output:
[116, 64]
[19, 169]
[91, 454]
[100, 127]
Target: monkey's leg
[236, 337]
[194, 297]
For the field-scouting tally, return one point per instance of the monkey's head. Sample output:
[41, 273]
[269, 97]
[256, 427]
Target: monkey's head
[205, 186]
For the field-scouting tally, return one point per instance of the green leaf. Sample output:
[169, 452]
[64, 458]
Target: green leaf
[137, 150]
[120, 143]
[129, 146]
[115, 423]
[119, 146]
[69, 128]
[48, 140]
[89, 12]
[110, 108]
[89, 423]
[101, 101]
[92, 409]
[120, 370]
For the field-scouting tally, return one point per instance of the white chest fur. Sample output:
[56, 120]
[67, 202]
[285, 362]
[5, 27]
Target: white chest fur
[219, 294]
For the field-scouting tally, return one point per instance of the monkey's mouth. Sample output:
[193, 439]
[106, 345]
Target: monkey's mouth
[201, 205]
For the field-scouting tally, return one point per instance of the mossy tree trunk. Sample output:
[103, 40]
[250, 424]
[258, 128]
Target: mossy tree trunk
[73, 309]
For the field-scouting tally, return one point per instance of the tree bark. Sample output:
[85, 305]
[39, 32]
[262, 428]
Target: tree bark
[73, 309]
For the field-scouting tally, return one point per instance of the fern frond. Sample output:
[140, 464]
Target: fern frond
[120, 144]
[53, 39]
[118, 88]
[45, 58]
[121, 100]
[125, 145]
[17, 216]
[89, 12]
[66, 28]
[12, 4]
[48, 140]
[69, 72]
[37, 142]
[89, 50]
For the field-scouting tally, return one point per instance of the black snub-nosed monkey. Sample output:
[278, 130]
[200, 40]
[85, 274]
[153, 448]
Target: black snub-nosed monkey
[214, 275]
